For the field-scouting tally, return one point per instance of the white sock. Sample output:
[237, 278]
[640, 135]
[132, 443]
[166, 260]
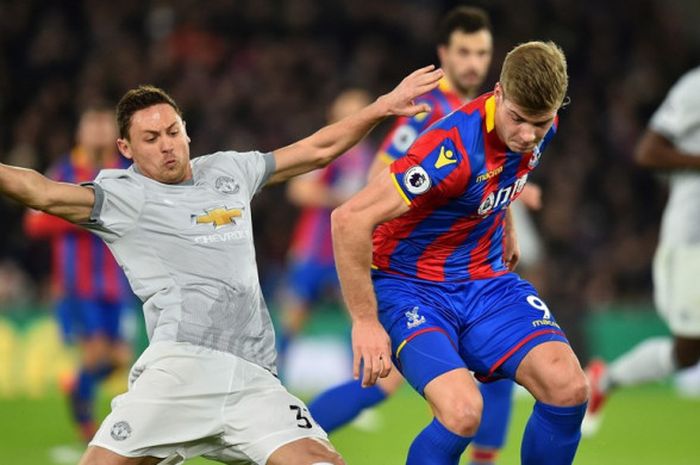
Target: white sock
[651, 360]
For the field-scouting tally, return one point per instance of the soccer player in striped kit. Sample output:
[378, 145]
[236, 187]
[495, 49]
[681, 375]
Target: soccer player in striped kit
[90, 290]
[437, 296]
[465, 50]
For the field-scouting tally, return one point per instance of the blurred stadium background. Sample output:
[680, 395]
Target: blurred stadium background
[260, 74]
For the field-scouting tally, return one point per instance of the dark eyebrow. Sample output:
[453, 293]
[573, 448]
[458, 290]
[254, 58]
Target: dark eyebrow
[529, 120]
[149, 131]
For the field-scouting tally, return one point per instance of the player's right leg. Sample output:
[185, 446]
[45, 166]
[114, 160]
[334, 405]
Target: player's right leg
[433, 367]
[424, 337]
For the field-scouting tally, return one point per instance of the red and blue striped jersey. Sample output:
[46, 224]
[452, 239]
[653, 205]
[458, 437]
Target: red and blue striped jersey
[458, 179]
[311, 239]
[82, 265]
[442, 100]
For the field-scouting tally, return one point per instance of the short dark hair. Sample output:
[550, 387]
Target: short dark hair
[136, 99]
[467, 19]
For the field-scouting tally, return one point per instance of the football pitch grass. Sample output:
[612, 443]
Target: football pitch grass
[642, 426]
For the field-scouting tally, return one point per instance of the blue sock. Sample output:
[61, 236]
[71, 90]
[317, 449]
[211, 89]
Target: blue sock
[339, 405]
[83, 396]
[436, 445]
[494, 420]
[552, 435]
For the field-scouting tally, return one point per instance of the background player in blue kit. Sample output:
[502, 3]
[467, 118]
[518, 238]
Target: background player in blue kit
[90, 289]
[444, 293]
[311, 275]
[465, 46]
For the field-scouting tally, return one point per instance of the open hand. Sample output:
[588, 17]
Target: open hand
[400, 101]
[370, 345]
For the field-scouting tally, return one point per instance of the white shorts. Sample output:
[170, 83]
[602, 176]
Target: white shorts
[677, 288]
[197, 401]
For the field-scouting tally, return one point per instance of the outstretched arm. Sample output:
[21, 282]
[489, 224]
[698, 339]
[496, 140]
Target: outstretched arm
[655, 151]
[352, 226]
[68, 201]
[325, 145]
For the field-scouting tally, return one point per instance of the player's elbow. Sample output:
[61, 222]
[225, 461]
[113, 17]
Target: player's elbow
[325, 156]
[341, 218]
[647, 152]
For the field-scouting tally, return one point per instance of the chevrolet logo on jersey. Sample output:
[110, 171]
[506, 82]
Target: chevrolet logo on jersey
[218, 216]
[446, 157]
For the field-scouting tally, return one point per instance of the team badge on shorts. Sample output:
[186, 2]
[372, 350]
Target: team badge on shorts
[416, 180]
[226, 185]
[121, 430]
[414, 319]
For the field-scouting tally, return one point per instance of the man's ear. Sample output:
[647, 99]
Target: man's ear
[442, 53]
[124, 148]
[184, 128]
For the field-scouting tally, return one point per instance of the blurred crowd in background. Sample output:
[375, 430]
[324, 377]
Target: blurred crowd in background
[259, 74]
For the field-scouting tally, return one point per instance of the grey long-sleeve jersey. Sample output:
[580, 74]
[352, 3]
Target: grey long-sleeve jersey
[188, 252]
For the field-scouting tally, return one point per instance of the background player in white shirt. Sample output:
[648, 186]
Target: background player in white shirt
[671, 143]
[182, 232]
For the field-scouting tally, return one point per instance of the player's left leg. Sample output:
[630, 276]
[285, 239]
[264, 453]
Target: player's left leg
[492, 432]
[553, 375]
[513, 334]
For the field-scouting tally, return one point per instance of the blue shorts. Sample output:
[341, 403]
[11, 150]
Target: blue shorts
[84, 318]
[486, 325]
[310, 280]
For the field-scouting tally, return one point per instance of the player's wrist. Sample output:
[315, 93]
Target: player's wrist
[365, 318]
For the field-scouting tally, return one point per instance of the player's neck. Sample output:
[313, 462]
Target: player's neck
[465, 95]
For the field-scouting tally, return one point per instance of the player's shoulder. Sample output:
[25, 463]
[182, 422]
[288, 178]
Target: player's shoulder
[688, 84]
[466, 120]
[223, 156]
[115, 174]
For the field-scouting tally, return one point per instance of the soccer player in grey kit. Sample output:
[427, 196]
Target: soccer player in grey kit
[181, 230]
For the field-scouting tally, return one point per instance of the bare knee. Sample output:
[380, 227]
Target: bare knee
[552, 374]
[462, 417]
[564, 389]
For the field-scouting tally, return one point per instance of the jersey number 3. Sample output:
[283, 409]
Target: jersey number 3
[302, 420]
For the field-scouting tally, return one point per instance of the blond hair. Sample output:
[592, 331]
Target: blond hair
[534, 77]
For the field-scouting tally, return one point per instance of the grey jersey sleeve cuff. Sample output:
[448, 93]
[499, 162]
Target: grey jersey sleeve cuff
[270, 166]
[99, 202]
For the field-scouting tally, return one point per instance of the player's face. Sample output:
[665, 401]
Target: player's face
[97, 131]
[466, 59]
[519, 130]
[158, 144]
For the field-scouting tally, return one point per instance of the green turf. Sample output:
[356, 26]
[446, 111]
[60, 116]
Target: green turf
[644, 426]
